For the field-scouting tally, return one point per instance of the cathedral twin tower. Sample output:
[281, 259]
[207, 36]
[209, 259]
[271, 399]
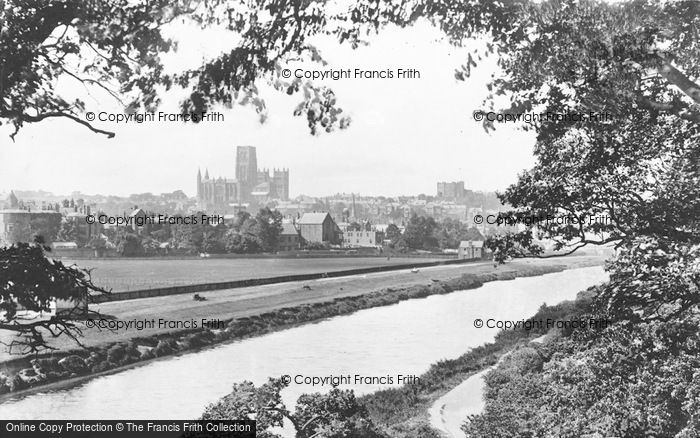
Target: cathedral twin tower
[250, 185]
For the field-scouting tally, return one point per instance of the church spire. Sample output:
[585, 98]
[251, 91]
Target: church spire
[206, 174]
[12, 200]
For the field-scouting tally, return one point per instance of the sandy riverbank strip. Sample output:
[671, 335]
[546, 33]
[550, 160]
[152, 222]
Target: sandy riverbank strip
[450, 411]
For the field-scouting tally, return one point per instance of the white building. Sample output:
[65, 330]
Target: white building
[470, 249]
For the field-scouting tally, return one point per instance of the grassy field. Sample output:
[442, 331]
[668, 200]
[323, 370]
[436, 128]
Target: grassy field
[132, 274]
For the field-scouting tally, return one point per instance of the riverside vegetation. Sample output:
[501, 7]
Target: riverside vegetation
[395, 412]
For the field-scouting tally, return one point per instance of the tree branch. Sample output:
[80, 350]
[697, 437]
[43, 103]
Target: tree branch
[34, 119]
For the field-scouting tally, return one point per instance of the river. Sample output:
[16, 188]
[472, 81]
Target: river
[402, 339]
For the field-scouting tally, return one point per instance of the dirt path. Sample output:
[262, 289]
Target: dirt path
[450, 411]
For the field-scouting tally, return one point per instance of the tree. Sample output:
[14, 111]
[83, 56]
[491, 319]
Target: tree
[212, 241]
[97, 244]
[68, 232]
[238, 243]
[241, 218]
[333, 415]
[393, 233]
[162, 234]
[41, 41]
[129, 244]
[451, 232]
[33, 283]
[149, 246]
[267, 228]
[627, 170]
[354, 226]
[419, 232]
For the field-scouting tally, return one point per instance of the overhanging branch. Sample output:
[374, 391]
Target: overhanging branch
[34, 119]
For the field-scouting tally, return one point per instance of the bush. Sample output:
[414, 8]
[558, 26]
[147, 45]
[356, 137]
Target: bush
[196, 340]
[148, 354]
[73, 364]
[121, 354]
[4, 383]
[317, 246]
[16, 383]
[101, 366]
[525, 360]
[94, 359]
[46, 366]
[116, 353]
[164, 347]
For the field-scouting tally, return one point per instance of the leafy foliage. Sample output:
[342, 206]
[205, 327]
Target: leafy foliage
[335, 414]
[631, 380]
[117, 46]
[631, 179]
[29, 284]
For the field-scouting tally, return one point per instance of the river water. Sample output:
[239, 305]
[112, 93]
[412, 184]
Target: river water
[402, 339]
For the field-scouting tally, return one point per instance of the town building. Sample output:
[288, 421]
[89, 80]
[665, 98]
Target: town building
[23, 225]
[249, 185]
[450, 190]
[362, 238]
[213, 193]
[471, 249]
[138, 220]
[290, 240]
[318, 228]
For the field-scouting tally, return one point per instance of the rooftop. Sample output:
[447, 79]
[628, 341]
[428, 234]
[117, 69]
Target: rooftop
[471, 243]
[289, 229]
[17, 210]
[313, 218]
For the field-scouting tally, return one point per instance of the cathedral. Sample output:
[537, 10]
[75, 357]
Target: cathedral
[251, 185]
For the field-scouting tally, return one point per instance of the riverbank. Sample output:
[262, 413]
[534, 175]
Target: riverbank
[114, 356]
[405, 412]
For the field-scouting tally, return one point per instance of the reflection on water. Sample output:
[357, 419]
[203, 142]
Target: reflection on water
[405, 338]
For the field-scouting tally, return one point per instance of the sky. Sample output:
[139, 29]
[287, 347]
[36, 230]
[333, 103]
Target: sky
[405, 135]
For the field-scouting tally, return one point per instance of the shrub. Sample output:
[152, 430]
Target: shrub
[121, 354]
[526, 360]
[116, 353]
[4, 383]
[16, 383]
[73, 364]
[46, 366]
[96, 357]
[196, 340]
[164, 347]
[101, 366]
